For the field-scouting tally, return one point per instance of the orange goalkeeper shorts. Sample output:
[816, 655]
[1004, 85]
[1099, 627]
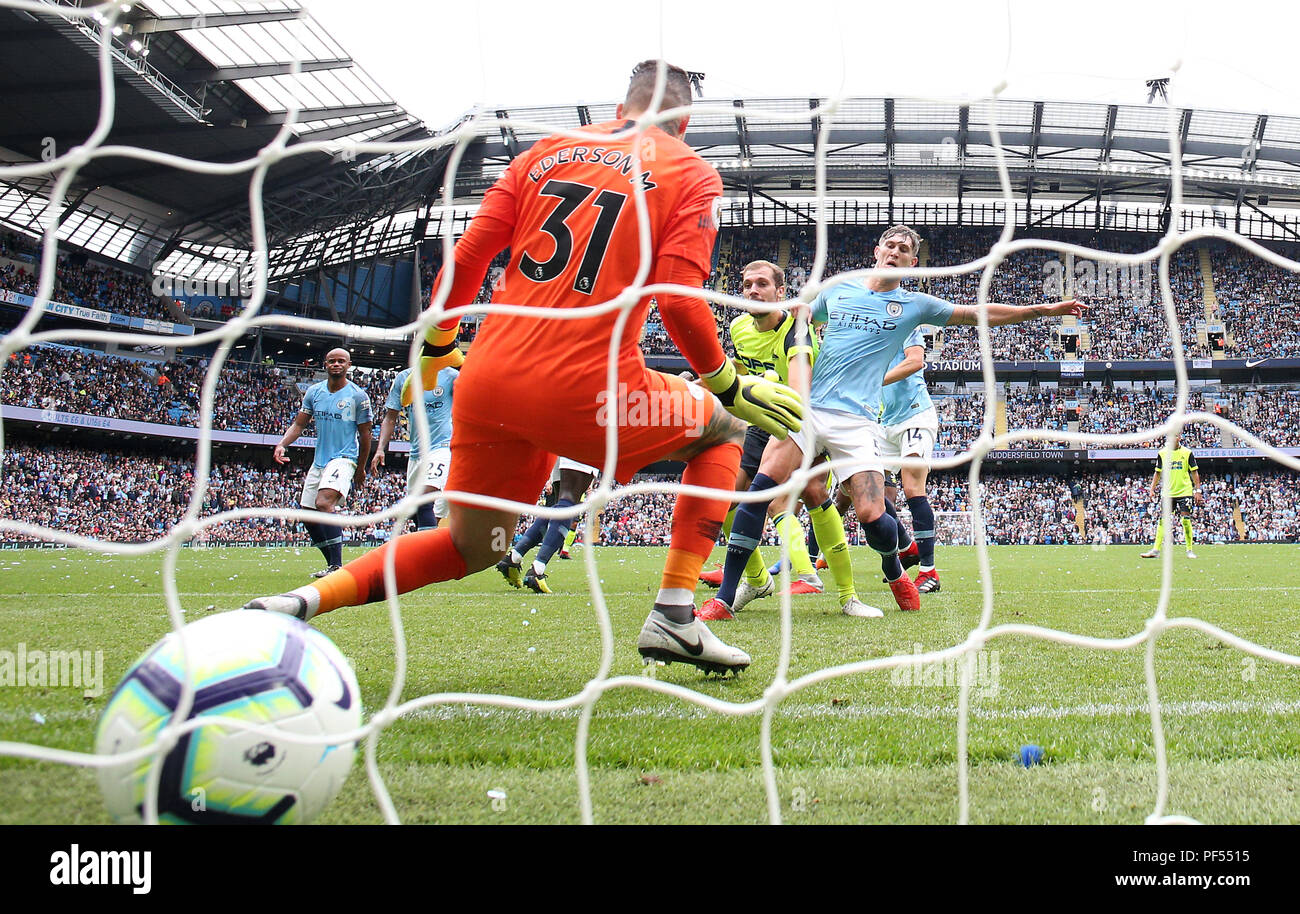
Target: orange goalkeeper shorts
[505, 437]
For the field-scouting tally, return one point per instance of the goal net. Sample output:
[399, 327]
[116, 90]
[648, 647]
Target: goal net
[959, 527]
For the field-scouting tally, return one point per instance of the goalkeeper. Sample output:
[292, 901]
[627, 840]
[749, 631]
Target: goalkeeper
[536, 387]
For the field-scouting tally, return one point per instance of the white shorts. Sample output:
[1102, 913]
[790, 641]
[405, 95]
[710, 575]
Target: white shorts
[913, 437]
[564, 463]
[844, 437]
[430, 472]
[336, 475]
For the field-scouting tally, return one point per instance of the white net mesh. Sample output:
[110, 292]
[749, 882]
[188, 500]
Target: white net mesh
[61, 170]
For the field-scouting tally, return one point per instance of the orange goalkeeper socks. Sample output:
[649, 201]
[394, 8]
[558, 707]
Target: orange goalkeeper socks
[697, 521]
[423, 557]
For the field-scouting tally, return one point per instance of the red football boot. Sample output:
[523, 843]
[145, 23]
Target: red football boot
[712, 578]
[905, 594]
[715, 610]
[911, 555]
[928, 581]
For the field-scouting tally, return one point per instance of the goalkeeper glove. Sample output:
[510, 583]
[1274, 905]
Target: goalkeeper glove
[440, 351]
[770, 405]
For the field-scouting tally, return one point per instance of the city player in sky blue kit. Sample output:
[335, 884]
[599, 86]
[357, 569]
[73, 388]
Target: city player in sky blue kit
[341, 411]
[867, 322]
[910, 427]
[426, 465]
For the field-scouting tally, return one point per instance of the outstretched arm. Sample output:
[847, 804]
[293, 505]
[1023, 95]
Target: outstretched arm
[1002, 315]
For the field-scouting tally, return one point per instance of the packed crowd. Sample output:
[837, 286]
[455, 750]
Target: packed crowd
[126, 496]
[87, 284]
[1259, 305]
[123, 496]
[251, 398]
[1125, 321]
[263, 400]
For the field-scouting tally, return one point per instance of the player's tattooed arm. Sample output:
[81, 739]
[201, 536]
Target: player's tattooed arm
[721, 428]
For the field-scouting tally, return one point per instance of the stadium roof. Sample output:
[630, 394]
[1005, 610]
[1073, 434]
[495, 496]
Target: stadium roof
[916, 148]
[210, 80]
[215, 80]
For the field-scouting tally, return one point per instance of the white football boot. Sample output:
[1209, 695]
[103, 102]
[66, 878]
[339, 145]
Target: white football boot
[691, 642]
[746, 593]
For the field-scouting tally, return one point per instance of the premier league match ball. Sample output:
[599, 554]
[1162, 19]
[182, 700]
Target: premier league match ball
[262, 668]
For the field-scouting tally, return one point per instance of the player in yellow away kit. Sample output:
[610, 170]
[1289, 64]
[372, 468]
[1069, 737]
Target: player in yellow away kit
[1184, 492]
[770, 343]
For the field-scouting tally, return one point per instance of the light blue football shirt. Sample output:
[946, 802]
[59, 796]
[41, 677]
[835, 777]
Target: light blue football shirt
[437, 408]
[864, 331]
[337, 415]
[904, 399]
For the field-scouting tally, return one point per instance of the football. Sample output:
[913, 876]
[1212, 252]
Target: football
[254, 667]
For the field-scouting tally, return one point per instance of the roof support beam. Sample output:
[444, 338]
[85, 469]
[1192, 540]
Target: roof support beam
[307, 115]
[345, 130]
[1051, 214]
[1108, 137]
[508, 134]
[256, 71]
[889, 138]
[1251, 153]
[153, 24]
[1035, 133]
[742, 129]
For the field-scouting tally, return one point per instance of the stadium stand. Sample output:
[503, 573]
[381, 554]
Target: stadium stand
[126, 496]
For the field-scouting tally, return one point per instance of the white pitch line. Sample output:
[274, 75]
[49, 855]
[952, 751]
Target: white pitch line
[819, 711]
[871, 711]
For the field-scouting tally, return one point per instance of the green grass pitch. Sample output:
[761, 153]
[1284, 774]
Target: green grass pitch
[878, 747]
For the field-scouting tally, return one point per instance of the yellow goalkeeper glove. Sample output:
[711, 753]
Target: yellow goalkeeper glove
[770, 405]
[440, 351]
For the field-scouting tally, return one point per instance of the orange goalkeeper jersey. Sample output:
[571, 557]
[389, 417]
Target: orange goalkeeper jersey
[566, 208]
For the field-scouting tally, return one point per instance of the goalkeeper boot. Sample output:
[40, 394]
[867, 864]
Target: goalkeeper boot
[905, 594]
[289, 604]
[859, 610]
[1151, 554]
[911, 555]
[715, 610]
[712, 578]
[690, 642]
[536, 582]
[512, 571]
[746, 593]
[805, 583]
[928, 581]
[325, 571]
